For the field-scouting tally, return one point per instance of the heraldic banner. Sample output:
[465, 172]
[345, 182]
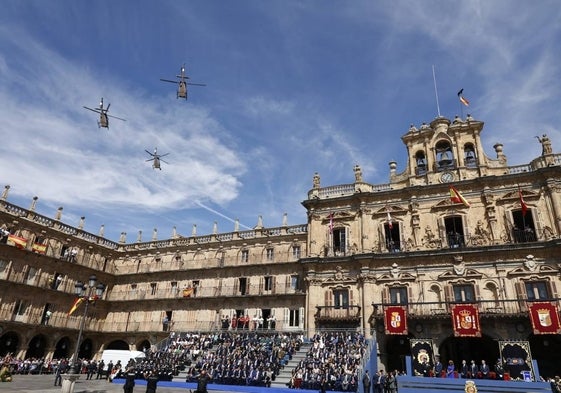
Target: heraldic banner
[544, 317]
[396, 320]
[465, 320]
[516, 357]
[421, 351]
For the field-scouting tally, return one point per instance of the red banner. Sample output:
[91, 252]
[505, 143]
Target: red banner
[396, 320]
[465, 320]
[545, 318]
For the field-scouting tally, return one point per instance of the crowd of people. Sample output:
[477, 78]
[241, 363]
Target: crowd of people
[333, 362]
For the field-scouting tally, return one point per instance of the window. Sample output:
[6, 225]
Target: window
[294, 282]
[296, 252]
[174, 288]
[245, 255]
[523, 230]
[20, 307]
[536, 290]
[454, 231]
[153, 288]
[242, 285]
[339, 241]
[464, 293]
[341, 298]
[391, 230]
[270, 254]
[294, 317]
[31, 275]
[268, 283]
[398, 295]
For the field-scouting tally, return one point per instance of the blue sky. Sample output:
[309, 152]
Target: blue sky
[293, 88]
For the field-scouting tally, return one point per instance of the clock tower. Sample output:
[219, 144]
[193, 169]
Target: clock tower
[445, 151]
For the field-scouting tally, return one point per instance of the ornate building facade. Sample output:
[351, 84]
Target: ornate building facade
[455, 227]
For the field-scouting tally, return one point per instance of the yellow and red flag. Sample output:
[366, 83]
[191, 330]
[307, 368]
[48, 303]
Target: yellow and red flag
[456, 197]
[39, 248]
[17, 241]
[75, 305]
[462, 99]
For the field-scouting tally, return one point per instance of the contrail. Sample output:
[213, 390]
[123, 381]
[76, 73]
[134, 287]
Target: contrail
[220, 214]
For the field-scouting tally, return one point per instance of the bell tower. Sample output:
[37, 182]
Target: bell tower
[446, 151]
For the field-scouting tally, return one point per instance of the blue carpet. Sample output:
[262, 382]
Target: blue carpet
[213, 386]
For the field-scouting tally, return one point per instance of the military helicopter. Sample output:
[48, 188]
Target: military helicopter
[103, 116]
[182, 83]
[156, 158]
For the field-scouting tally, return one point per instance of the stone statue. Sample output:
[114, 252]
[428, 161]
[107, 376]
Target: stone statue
[358, 174]
[316, 181]
[546, 144]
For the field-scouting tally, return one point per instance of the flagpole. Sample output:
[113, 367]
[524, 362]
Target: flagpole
[435, 91]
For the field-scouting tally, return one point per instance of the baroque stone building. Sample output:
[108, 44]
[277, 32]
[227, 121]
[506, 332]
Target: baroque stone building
[454, 227]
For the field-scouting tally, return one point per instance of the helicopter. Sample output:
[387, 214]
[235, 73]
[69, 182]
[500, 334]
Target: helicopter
[182, 83]
[103, 116]
[157, 158]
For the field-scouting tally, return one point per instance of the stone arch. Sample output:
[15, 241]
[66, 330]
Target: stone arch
[62, 348]
[9, 343]
[36, 347]
[118, 344]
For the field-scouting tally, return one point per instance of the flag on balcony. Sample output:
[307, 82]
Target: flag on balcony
[395, 320]
[187, 292]
[545, 318]
[456, 197]
[522, 203]
[462, 99]
[17, 241]
[39, 248]
[390, 224]
[465, 320]
[75, 305]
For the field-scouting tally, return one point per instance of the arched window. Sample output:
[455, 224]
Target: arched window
[469, 156]
[421, 161]
[444, 156]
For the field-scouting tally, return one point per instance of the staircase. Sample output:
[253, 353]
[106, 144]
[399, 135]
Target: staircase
[285, 373]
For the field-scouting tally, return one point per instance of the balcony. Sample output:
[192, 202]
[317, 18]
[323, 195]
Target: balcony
[337, 313]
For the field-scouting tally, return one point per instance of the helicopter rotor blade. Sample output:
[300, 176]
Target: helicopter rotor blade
[151, 159]
[164, 161]
[196, 84]
[148, 152]
[114, 117]
[106, 109]
[93, 110]
[163, 155]
[167, 80]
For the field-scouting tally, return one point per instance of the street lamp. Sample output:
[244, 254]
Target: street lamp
[88, 294]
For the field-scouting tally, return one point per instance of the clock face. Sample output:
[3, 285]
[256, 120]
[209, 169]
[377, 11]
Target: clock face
[447, 177]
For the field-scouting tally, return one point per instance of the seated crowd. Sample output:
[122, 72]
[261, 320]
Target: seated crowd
[333, 361]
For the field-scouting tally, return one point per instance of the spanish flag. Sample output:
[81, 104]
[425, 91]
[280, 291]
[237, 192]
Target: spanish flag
[75, 305]
[462, 99]
[456, 197]
[39, 248]
[187, 292]
[19, 242]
